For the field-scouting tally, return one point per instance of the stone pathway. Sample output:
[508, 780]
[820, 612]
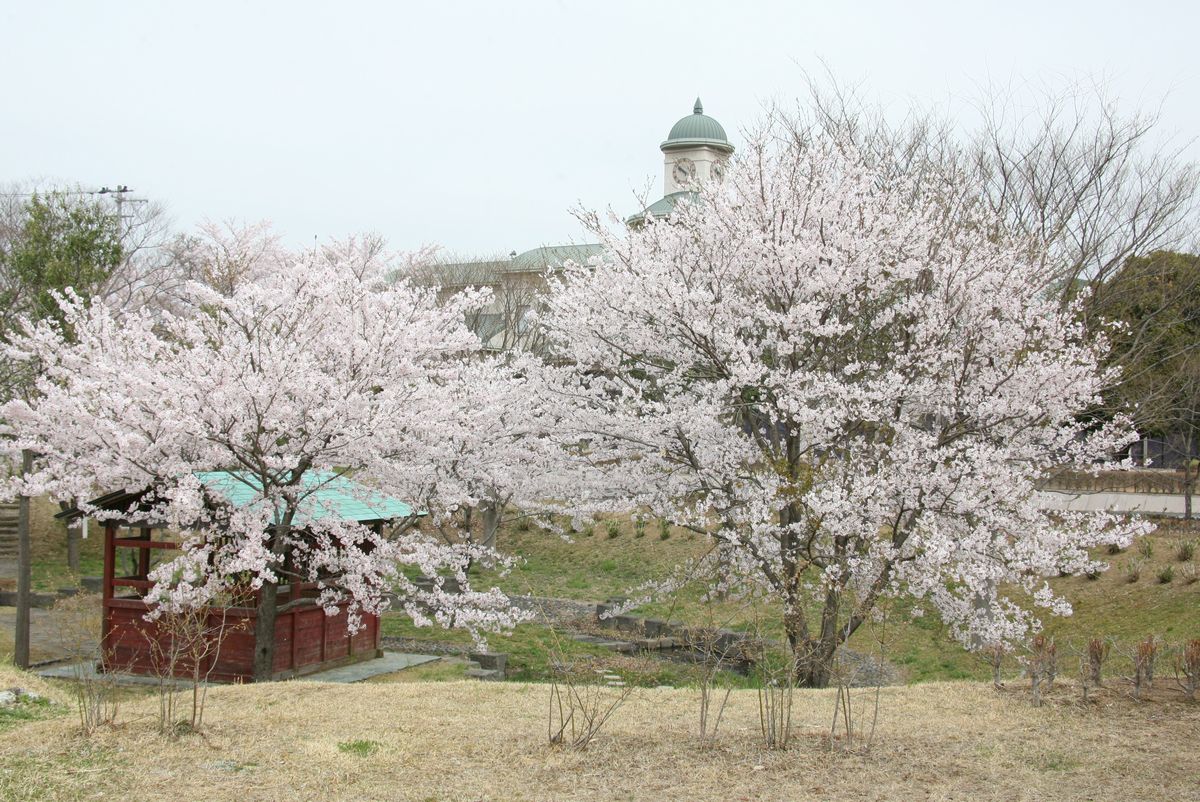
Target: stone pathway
[45, 644]
[390, 663]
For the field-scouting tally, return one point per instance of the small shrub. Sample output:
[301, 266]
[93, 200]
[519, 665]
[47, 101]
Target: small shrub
[1185, 551]
[993, 654]
[1166, 574]
[1133, 570]
[639, 527]
[1189, 574]
[613, 529]
[359, 748]
[664, 530]
[1145, 547]
[1115, 548]
[1143, 665]
[76, 621]
[1188, 668]
[1043, 666]
[523, 525]
[1097, 652]
[589, 530]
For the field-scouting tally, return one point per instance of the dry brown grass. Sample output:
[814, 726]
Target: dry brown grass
[486, 741]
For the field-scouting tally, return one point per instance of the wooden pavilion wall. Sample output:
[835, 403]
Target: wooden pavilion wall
[306, 639]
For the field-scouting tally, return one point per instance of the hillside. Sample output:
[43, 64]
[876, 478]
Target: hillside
[595, 566]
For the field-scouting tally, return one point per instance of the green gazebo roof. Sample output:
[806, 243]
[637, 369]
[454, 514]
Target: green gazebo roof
[695, 130]
[328, 495]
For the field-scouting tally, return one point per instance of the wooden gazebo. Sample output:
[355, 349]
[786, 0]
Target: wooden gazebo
[307, 639]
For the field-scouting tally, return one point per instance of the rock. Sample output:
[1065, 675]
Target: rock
[7, 698]
[21, 693]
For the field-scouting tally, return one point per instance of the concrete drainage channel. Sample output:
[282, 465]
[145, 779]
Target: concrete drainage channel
[629, 634]
[601, 625]
[487, 666]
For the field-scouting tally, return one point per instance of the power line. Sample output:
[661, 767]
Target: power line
[101, 191]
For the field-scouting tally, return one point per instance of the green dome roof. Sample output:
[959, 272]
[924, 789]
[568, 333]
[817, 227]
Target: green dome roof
[697, 129]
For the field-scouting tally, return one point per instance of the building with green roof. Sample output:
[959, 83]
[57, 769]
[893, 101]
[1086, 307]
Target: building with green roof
[695, 150]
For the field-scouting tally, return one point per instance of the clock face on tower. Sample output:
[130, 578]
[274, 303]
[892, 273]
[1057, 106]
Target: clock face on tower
[684, 171]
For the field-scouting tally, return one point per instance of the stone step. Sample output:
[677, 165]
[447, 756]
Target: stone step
[485, 674]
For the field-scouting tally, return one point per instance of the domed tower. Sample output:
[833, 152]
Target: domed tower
[695, 150]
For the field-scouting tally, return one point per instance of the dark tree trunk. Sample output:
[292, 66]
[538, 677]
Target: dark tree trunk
[813, 657]
[264, 632]
[267, 611]
[814, 662]
[1189, 477]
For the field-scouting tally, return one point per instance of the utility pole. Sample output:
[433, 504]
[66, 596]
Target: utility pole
[24, 572]
[119, 192]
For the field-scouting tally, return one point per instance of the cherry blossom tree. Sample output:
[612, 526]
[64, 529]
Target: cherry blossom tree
[496, 460]
[849, 384]
[306, 370]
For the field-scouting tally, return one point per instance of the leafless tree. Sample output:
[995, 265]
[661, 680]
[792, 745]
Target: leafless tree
[1069, 169]
[224, 255]
[504, 324]
[144, 275]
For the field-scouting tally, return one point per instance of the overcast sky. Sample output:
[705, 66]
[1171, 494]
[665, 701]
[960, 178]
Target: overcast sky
[479, 125]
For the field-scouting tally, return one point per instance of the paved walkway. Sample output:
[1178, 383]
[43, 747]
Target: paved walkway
[45, 642]
[1084, 501]
[390, 663]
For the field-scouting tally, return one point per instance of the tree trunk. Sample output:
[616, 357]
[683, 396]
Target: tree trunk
[813, 657]
[73, 549]
[268, 609]
[1189, 477]
[24, 572]
[264, 632]
[814, 663]
[73, 538]
[489, 512]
